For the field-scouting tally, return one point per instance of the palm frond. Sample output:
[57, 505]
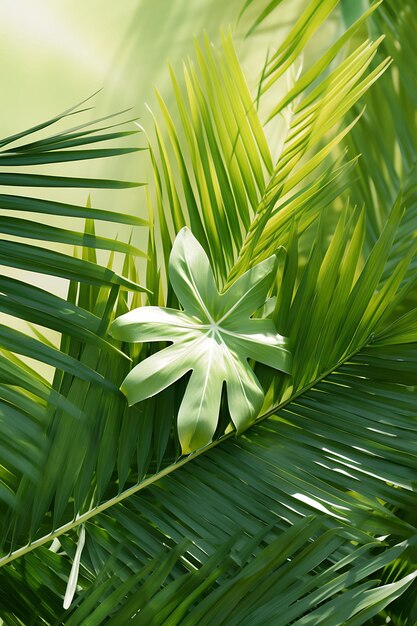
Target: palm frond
[30, 303]
[303, 518]
[27, 398]
[343, 461]
[387, 166]
[331, 446]
[231, 191]
[224, 587]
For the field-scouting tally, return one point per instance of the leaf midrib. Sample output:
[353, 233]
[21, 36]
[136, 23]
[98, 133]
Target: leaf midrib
[81, 519]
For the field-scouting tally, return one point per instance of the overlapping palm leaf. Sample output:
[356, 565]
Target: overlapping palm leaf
[233, 585]
[342, 426]
[27, 398]
[387, 167]
[225, 534]
[232, 191]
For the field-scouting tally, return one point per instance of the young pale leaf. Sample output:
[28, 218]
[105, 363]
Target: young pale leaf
[213, 337]
[73, 577]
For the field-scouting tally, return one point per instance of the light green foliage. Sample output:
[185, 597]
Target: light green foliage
[214, 336]
[309, 516]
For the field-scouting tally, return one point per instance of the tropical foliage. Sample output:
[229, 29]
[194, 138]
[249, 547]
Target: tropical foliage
[214, 336]
[304, 514]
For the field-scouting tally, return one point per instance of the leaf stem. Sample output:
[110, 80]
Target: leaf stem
[81, 519]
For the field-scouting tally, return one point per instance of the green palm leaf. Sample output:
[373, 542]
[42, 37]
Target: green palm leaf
[32, 400]
[305, 517]
[226, 194]
[294, 488]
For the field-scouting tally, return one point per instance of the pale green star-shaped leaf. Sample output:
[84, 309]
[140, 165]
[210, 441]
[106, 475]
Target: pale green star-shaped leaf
[213, 337]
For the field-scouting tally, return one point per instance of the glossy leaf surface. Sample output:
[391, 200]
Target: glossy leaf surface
[214, 336]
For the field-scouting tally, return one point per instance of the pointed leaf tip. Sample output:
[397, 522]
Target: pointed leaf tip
[73, 577]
